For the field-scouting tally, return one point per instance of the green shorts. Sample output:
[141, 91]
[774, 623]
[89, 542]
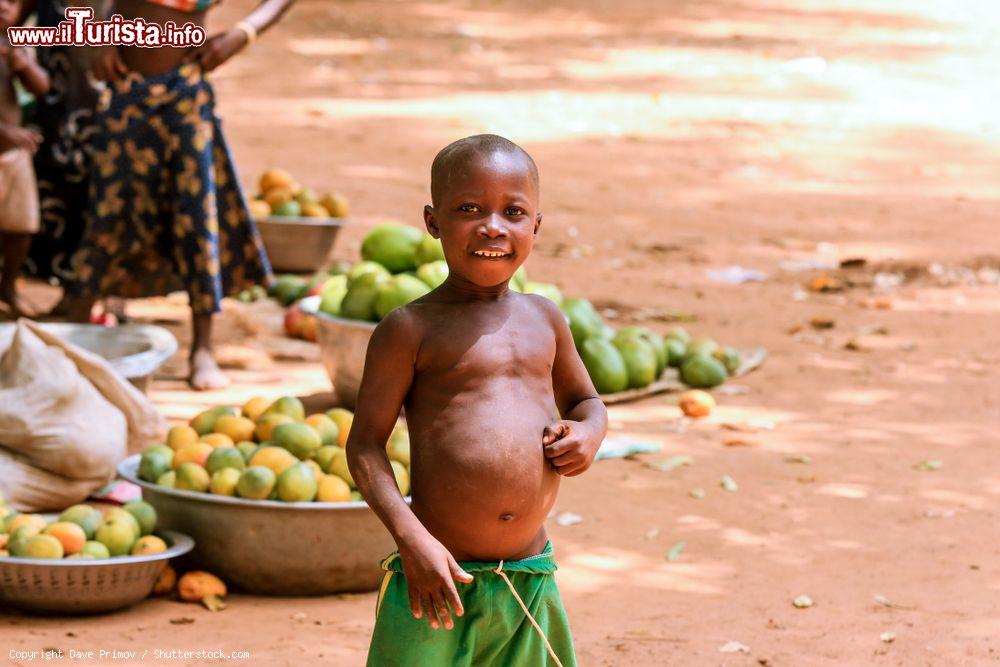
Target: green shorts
[494, 630]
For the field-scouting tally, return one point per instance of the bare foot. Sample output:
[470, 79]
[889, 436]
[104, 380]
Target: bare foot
[11, 307]
[205, 372]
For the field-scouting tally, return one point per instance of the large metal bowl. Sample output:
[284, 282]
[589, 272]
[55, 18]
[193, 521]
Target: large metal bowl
[135, 351]
[271, 547]
[343, 345]
[298, 244]
[85, 586]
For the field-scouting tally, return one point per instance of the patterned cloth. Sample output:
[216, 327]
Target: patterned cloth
[65, 117]
[185, 5]
[166, 211]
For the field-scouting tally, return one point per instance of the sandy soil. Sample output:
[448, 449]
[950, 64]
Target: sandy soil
[672, 141]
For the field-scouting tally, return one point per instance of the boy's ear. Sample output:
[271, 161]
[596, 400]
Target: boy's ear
[430, 222]
[538, 222]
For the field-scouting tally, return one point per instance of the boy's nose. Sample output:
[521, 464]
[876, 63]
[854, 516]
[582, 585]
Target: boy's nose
[493, 227]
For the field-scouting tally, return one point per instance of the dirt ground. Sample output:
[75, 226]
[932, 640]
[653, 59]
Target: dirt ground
[673, 139]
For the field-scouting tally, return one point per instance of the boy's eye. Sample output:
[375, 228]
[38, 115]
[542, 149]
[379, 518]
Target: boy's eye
[514, 210]
[468, 208]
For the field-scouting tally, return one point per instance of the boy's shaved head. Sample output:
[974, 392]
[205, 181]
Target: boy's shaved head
[456, 155]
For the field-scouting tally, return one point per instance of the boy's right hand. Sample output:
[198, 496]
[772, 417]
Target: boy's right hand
[12, 136]
[431, 572]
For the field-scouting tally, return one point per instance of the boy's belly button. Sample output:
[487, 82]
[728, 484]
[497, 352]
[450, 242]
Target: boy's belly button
[507, 516]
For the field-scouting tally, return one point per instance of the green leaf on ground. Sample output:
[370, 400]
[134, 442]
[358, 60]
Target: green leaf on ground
[929, 465]
[675, 552]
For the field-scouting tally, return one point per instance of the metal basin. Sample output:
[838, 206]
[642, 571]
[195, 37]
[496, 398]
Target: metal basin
[135, 351]
[82, 586]
[342, 347]
[274, 548]
[298, 244]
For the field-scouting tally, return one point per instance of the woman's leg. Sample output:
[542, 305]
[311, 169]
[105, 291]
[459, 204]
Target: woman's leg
[205, 372]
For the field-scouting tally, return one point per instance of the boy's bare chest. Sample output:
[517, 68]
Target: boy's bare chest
[468, 349]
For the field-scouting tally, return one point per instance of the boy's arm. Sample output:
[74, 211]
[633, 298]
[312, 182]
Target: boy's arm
[571, 443]
[428, 567]
[31, 74]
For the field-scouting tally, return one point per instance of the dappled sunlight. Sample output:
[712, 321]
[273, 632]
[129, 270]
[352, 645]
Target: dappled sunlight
[842, 490]
[605, 568]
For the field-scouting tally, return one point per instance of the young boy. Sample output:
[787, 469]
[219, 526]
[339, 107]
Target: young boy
[18, 194]
[484, 374]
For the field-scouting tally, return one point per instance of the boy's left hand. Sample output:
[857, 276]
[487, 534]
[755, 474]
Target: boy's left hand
[569, 447]
[217, 49]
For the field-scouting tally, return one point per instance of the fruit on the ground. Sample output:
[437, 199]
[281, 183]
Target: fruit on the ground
[359, 302]
[325, 456]
[258, 209]
[152, 464]
[37, 546]
[333, 295]
[549, 291]
[165, 581]
[204, 422]
[297, 484]
[429, 250]
[148, 545]
[702, 345]
[335, 204]
[237, 428]
[117, 535]
[224, 481]
[343, 418]
[34, 520]
[675, 350]
[290, 406]
[362, 268]
[433, 273]
[639, 358]
[85, 516]
[70, 536]
[402, 477]
[197, 585]
[301, 440]
[247, 449]
[267, 423]
[167, 479]
[332, 489]
[681, 334]
[730, 358]
[584, 321]
[197, 453]
[278, 459]
[217, 440]
[181, 436]
[654, 341]
[254, 408]
[276, 178]
[95, 550]
[398, 447]
[338, 467]
[287, 288]
[398, 291]
[392, 246]
[144, 513]
[256, 483]
[696, 403]
[702, 371]
[325, 427]
[192, 477]
[605, 365]
[224, 457]
[288, 209]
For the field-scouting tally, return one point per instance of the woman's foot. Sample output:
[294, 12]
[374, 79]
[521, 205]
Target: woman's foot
[10, 306]
[205, 372]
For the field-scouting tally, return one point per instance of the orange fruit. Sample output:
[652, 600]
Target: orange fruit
[696, 403]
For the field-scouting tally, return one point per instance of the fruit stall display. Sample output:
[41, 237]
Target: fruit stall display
[400, 263]
[281, 196]
[266, 451]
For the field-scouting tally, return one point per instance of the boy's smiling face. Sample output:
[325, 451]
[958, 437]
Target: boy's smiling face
[487, 217]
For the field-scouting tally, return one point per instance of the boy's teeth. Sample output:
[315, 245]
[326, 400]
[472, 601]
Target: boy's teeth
[487, 253]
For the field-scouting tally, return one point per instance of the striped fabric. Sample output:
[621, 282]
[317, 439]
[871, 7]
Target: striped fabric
[185, 5]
